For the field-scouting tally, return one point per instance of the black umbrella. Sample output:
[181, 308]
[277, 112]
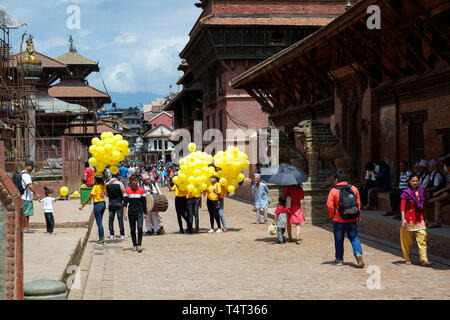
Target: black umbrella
[284, 175]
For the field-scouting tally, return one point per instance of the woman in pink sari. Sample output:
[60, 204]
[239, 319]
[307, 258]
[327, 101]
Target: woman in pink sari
[296, 218]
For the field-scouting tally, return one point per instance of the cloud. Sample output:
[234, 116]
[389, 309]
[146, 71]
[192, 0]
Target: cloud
[137, 43]
[126, 38]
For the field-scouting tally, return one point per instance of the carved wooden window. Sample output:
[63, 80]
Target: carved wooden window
[416, 141]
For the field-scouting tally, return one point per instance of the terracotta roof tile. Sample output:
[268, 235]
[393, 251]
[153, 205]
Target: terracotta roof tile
[47, 62]
[74, 58]
[60, 91]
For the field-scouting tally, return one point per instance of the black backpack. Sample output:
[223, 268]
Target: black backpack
[17, 179]
[348, 204]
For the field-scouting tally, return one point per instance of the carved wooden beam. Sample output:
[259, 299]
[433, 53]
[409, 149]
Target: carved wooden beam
[360, 37]
[265, 106]
[357, 59]
[266, 91]
[415, 32]
[314, 80]
[286, 84]
[396, 38]
[322, 81]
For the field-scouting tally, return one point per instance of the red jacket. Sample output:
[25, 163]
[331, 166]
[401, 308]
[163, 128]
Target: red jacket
[333, 200]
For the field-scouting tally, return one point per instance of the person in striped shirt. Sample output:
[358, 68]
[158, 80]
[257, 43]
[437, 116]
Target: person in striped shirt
[135, 209]
[405, 173]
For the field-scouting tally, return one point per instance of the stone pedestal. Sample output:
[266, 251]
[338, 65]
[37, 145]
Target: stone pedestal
[45, 290]
[314, 205]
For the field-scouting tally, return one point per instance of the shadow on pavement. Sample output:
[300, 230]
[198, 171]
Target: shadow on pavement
[345, 264]
[274, 240]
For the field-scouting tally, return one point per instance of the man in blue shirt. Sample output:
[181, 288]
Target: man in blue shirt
[261, 194]
[123, 172]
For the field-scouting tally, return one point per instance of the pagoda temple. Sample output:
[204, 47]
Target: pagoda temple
[74, 88]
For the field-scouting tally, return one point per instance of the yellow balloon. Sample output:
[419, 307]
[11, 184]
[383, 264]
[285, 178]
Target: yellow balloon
[190, 187]
[64, 191]
[223, 181]
[109, 141]
[114, 170]
[95, 141]
[76, 194]
[176, 180]
[192, 147]
[92, 149]
[191, 179]
[231, 189]
[127, 152]
[108, 147]
[241, 177]
[182, 176]
[100, 150]
[116, 155]
[92, 161]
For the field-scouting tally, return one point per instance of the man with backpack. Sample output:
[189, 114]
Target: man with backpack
[24, 185]
[344, 207]
[115, 190]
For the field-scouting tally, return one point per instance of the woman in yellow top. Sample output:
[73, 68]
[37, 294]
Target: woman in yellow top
[98, 195]
[193, 203]
[213, 193]
[222, 194]
[180, 206]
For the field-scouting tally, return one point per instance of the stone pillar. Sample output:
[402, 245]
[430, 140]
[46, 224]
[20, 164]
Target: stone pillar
[11, 240]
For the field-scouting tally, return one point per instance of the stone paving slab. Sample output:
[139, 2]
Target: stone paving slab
[246, 263]
[66, 214]
[46, 256]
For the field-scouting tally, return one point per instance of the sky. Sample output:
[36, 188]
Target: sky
[136, 42]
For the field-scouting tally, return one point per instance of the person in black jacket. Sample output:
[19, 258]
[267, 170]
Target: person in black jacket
[135, 207]
[115, 190]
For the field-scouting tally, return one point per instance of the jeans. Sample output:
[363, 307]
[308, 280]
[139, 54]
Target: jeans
[281, 232]
[180, 207]
[136, 220]
[258, 214]
[50, 221]
[339, 230]
[99, 209]
[112, 213]
[192, 210]
[222, 218]
[213, 209]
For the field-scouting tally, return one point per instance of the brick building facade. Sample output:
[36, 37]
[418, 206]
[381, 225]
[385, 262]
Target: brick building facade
[230, 37]
[11, 240]
[384, 93]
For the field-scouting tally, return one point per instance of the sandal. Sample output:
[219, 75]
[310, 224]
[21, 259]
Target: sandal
[426, 263]
[408, 262]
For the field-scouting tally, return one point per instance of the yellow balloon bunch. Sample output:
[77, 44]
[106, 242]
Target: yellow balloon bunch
[232, 162]
[194, 174]
[109, 150]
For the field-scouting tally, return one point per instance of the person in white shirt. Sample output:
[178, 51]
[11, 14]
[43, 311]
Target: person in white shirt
[27, 196]
[47, 206]
[152, 219]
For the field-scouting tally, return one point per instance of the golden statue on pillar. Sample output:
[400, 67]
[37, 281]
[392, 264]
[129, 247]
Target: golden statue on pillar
[29, 53]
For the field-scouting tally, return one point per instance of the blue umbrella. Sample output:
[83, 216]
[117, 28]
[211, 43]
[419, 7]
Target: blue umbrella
[284, 175]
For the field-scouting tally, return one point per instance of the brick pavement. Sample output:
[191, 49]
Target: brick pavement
[245, 263]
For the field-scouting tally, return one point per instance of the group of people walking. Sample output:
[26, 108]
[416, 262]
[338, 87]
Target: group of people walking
[127, 203]
[344, 206]
[187, 206]
[430, 182]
